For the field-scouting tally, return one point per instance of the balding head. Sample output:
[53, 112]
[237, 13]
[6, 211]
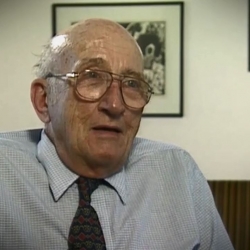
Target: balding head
[90, 31]
[69, 47]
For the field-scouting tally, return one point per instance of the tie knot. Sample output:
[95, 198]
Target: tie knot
[87, 186]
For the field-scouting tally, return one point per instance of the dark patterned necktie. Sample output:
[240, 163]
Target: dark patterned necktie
[85, 231]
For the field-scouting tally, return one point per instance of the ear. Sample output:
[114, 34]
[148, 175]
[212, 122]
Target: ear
[38, 95]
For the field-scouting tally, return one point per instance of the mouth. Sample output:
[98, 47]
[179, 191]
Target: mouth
[105, 128]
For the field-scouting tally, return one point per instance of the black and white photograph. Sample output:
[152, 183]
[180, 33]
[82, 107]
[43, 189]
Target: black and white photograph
[150, 36]
[158, 29]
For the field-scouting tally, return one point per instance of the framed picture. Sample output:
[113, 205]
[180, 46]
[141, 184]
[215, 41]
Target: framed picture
[158, 29]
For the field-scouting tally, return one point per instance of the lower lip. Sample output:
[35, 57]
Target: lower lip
[106, 133]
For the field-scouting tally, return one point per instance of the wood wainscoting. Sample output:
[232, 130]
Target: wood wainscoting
[232, 199]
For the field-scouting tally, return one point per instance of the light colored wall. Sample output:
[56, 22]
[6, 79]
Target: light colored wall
[216, 125]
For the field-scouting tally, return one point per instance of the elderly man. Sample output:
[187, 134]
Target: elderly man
[85, 181]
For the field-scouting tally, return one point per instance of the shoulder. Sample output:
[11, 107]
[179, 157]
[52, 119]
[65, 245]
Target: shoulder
[20, 140]
[18, 146]
[18, 160]
[159, 157]
[146, 147]
[21, 173]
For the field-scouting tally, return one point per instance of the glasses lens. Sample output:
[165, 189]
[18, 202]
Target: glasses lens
[91, 85]
[135, 92]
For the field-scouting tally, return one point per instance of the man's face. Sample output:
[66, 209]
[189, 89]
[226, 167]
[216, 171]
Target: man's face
[98, 134]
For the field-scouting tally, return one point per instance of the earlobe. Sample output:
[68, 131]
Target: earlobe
[38, 95]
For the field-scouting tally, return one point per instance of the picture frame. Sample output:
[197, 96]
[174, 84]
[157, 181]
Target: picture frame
[158, 28]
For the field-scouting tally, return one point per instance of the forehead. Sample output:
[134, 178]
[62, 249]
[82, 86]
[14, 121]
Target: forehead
[115, 47]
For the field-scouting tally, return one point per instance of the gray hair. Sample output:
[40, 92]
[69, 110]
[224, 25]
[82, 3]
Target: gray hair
[45, 64]
[49, 62]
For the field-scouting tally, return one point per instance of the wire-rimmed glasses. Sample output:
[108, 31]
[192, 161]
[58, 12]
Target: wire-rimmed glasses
[91, 85]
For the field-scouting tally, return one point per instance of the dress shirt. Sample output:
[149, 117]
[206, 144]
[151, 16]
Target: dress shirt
[158, 201]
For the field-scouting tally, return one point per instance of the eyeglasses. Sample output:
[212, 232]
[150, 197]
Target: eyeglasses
[91, 85]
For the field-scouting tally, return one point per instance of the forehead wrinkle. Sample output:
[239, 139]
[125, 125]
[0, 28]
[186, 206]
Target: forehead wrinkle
[101, 45]
[104, 39]
[92, 62]
[83, 39]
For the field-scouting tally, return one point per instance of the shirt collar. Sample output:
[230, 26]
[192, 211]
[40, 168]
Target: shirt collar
[61, 178]
[118, 182]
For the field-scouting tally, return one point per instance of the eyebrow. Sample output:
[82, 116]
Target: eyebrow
[100, 62]
[133, 73]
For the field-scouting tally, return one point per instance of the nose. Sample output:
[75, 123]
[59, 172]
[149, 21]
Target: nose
[112, 102]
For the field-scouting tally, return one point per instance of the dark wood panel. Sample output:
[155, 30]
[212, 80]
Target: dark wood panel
[232, 199]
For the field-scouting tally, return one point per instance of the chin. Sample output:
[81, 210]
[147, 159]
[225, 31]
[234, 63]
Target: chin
[106, 159]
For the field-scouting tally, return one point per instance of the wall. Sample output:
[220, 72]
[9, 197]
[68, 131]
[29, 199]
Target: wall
[215, 128]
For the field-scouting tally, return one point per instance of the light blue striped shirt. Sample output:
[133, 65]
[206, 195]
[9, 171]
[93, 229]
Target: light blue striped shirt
[159, 201]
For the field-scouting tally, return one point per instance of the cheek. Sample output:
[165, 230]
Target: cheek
[132, 120]
[77, 117]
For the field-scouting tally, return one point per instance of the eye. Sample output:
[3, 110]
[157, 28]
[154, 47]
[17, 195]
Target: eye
[92, 74]
[133, 83]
